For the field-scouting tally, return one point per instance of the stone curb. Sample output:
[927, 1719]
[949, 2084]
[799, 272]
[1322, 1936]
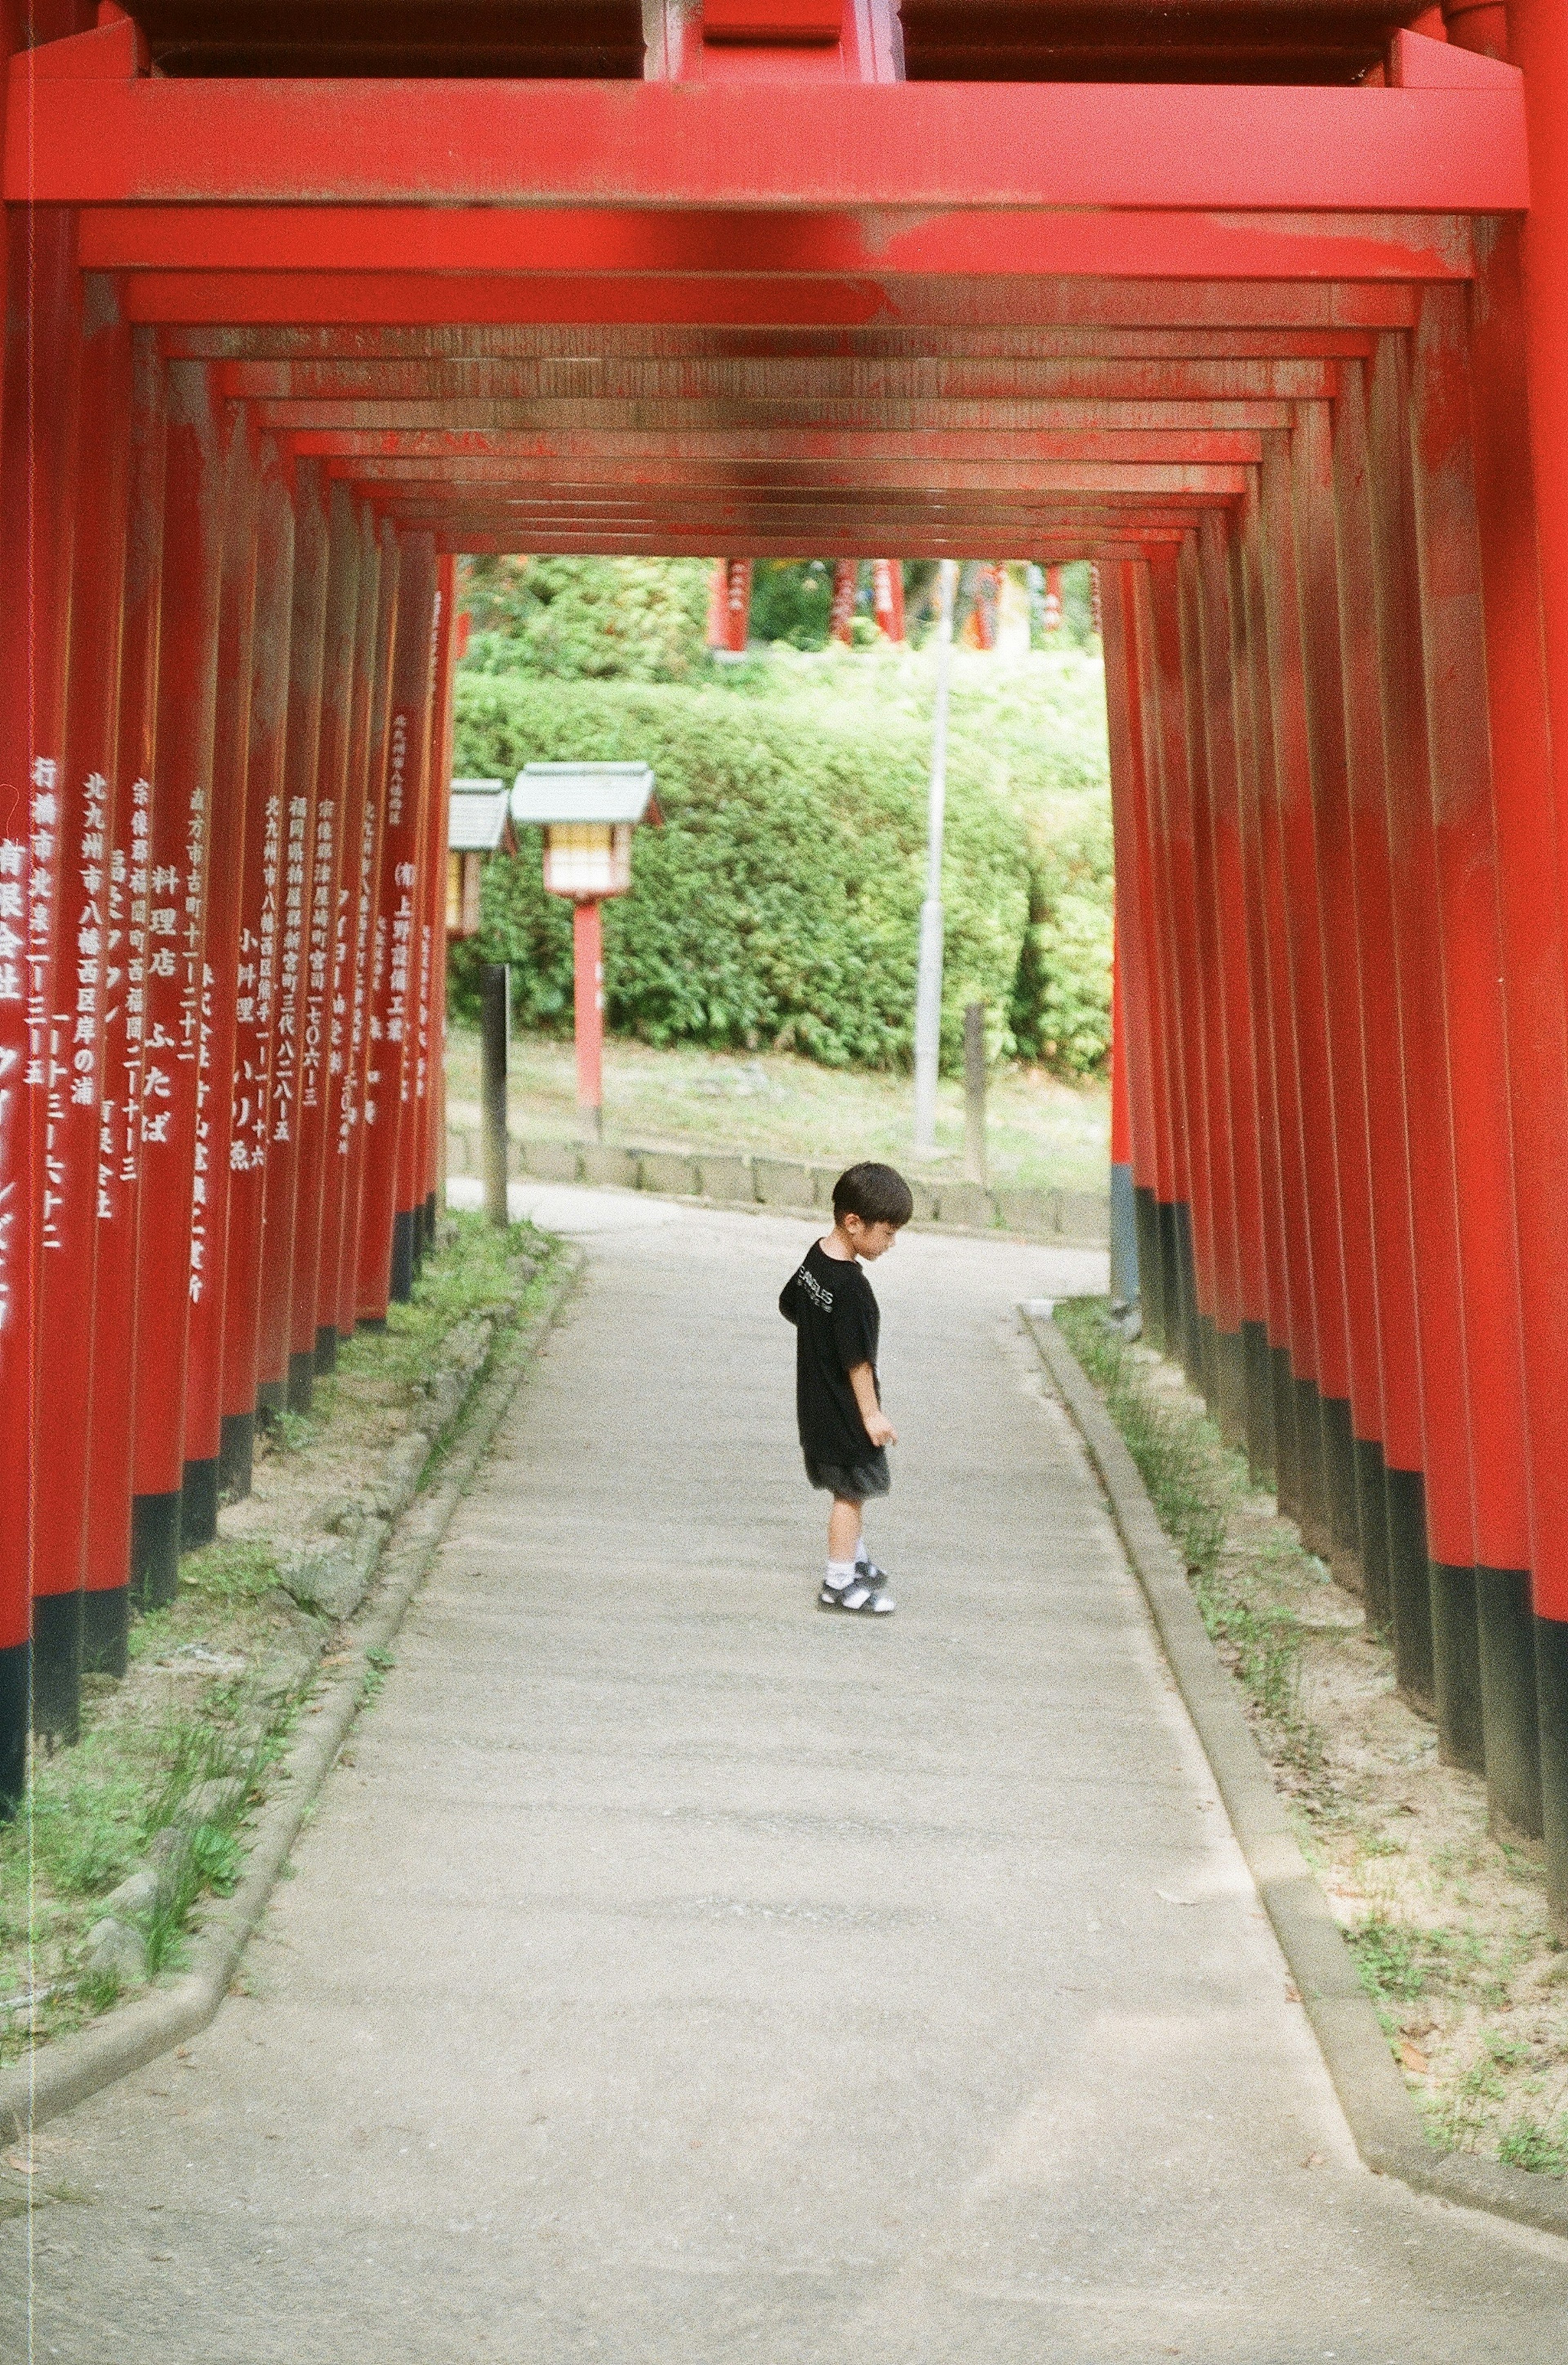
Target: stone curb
[1384, 2121]
[59, 2076]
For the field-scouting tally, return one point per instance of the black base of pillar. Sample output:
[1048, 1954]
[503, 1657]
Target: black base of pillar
[402, 1256]
[427, 1239]
[1260, 1413]
[57, 1666]
[154, 1550]
[1287, 1466]
[1191, 1334]
[272, 1397]
[1311, 1513]
[1456, 1668]
[1506, 1628]
[374, 1323]
[1340, 1479]
[16, 1697]
[302, 1381]
[1410, 1589]
[1151, 1280]
[1551, 1699]
[1169, 1278]
[1230, 1372]
[1208, 1364]
[198, 1504]
[235, 1455]
[325, 1350]
[106, 1632]
[1371, 1512]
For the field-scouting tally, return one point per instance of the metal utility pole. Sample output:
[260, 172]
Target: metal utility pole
[974, 1092]
[928, 983]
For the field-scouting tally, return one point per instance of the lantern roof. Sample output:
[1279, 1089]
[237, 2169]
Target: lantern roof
[599, 792]
[478, 818]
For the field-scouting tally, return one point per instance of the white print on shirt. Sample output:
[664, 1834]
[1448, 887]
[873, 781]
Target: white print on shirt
[814, 1289]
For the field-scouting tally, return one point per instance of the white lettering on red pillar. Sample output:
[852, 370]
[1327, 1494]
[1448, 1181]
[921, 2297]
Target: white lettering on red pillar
[15, 882]
[248, 1143]
[313, 1040]
[43, 848]
[286, 1057]
[75, 1032]
[347, 1117]
[139, 884]
[196, 1024]
[403, 878]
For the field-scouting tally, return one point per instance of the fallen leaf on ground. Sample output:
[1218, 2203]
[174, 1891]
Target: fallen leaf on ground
[1414, 2058]
[1313, 2160]
[1170, 1899]
[18, 2166]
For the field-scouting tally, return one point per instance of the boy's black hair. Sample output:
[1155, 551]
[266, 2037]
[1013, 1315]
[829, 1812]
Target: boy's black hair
[878, 1194]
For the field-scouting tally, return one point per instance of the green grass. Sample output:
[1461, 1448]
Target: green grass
[1196, 1484]
[1042, 1133]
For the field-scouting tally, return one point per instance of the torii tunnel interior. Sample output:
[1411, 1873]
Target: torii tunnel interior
[1257, 306]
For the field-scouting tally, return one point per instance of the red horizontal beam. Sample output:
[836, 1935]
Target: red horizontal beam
[322, 359]
[592, 379]
[999, 243]
[795, 441]
[836, 311]
[948, 475]
[1117, 541]
[917, 146]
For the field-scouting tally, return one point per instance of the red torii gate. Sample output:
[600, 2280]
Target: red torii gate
[1285, 359]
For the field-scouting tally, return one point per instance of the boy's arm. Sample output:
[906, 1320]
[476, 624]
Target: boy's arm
[878, 1428]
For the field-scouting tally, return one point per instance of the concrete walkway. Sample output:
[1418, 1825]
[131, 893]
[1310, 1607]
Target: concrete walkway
[677, 1975]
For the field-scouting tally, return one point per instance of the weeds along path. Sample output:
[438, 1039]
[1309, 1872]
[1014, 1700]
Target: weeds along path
[674, 1973]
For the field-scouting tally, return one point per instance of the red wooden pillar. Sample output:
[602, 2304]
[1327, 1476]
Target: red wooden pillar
[1399, 1444]
[351, 937]
[1538, 41]
[1180, 1318]
[256, 979]
[1270, 1408]
[841, 615]
[1358, 1413]
[429, 931]
[188, 668]
[310, 1351]
[110, 1459]
[1469, 938]
[1196, 1213]
[283, 1380]
[443, 724]
[887, 597]
[370, 961]
[222, 966]
[87, 974]
[1052, 599]
[1329, 1372]
[728, 605]
[1246, 1380]
[1527, 822]
[386, 1264]
[1142, 1019]
[36, 440]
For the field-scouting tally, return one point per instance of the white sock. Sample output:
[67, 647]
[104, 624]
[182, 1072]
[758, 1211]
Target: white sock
[840, 1574]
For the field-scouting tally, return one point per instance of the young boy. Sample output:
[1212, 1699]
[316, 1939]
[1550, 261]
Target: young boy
[844, 1433]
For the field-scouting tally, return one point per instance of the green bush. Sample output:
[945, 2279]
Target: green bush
[780, 902]
[587, 619]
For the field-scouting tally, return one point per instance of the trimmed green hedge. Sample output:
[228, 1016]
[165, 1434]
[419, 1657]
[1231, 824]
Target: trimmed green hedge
[779, 904]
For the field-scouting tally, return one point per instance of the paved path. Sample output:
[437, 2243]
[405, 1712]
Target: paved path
[677, 1975]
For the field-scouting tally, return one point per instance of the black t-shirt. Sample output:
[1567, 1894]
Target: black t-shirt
[836, 1321]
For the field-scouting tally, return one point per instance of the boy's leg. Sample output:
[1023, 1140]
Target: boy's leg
[842, 1531]
[849, 1585]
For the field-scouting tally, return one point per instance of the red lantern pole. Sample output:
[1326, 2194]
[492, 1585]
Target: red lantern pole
[846, 577]
[887, 597]
[587, 1004]
[188, 677]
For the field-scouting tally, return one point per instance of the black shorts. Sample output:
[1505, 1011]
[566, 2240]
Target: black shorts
[855, 1483]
